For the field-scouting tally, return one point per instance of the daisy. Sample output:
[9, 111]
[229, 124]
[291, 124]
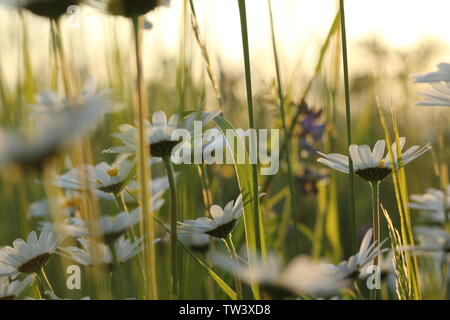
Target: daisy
[434, 202]
[200, 243]
[159, 133]
[68, 206]
[29, 256]
[10, 290]
[302, 276]
[127, 8]
[370, 165]
[53, 134]
[438, 95]
[442, 74]
[92, 253]
[159, 185]
[113, 227]
[220, 226]
[351, 268]
[72, 227]
[439, 81]
[107, 227]
[104, 177]
[53, 9]
[432, 239]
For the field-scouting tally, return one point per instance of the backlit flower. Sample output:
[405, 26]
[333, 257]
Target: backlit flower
[371, 165]
[91, 253]
[302, 276]
[220, 226]
[434, 203]
[351, 268]
[159, 133]
[104, 177]
[28, 256]
[11, 289]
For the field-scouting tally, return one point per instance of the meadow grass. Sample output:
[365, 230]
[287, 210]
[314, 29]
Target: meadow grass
[323, 216]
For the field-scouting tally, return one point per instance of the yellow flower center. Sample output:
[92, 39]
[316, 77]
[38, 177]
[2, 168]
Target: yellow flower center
[381, 165]
[113, 172]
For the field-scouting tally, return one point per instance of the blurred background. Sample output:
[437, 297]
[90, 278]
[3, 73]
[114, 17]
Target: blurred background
[388, 41]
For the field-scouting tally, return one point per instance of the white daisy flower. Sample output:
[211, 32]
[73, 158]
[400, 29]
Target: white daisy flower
[107, 227]
[159, 185]
[72, 227]
[10, 290]
[200, 243]
[92, 253]
[159, 133]
[68, 206]
[371, 165]
[351, 268]
[113, 227]
[434, 202]
[53, 9]
[438, 95]
[439, 81]
[53, 134]
[432, 239]
[442, 74]
[302, 276]
[104, 177]
[29, 256]
[220, 226]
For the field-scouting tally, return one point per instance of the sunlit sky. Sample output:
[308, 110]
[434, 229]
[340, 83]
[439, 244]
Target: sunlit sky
[301, 26]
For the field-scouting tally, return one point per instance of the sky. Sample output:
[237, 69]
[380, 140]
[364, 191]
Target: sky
[301, 26]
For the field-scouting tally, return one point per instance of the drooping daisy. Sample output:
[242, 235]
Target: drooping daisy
[351, 268]
[53, 9]
[159, 133]
[439, 81]
[29, 256]
[442, 74]
[53, 134]
[371, 165]
[10, 290]
[302, 276]
[434, 202]
[432, 239]
[72, 227]
[127, 8]
[104, 177]
[159, 185]
[113, 227]
[67, 205]
[92, 253]
[200, 243]
[220, 226]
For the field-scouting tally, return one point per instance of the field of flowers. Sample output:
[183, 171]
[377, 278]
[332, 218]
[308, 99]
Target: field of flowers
[201, 183]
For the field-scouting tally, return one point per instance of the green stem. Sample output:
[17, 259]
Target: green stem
[285, 130]
[144, 175]
[232, 251]
[44, 279]
[173, 223]
[353, 223]
[375, 187]
[118, 269]
[248, 82]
